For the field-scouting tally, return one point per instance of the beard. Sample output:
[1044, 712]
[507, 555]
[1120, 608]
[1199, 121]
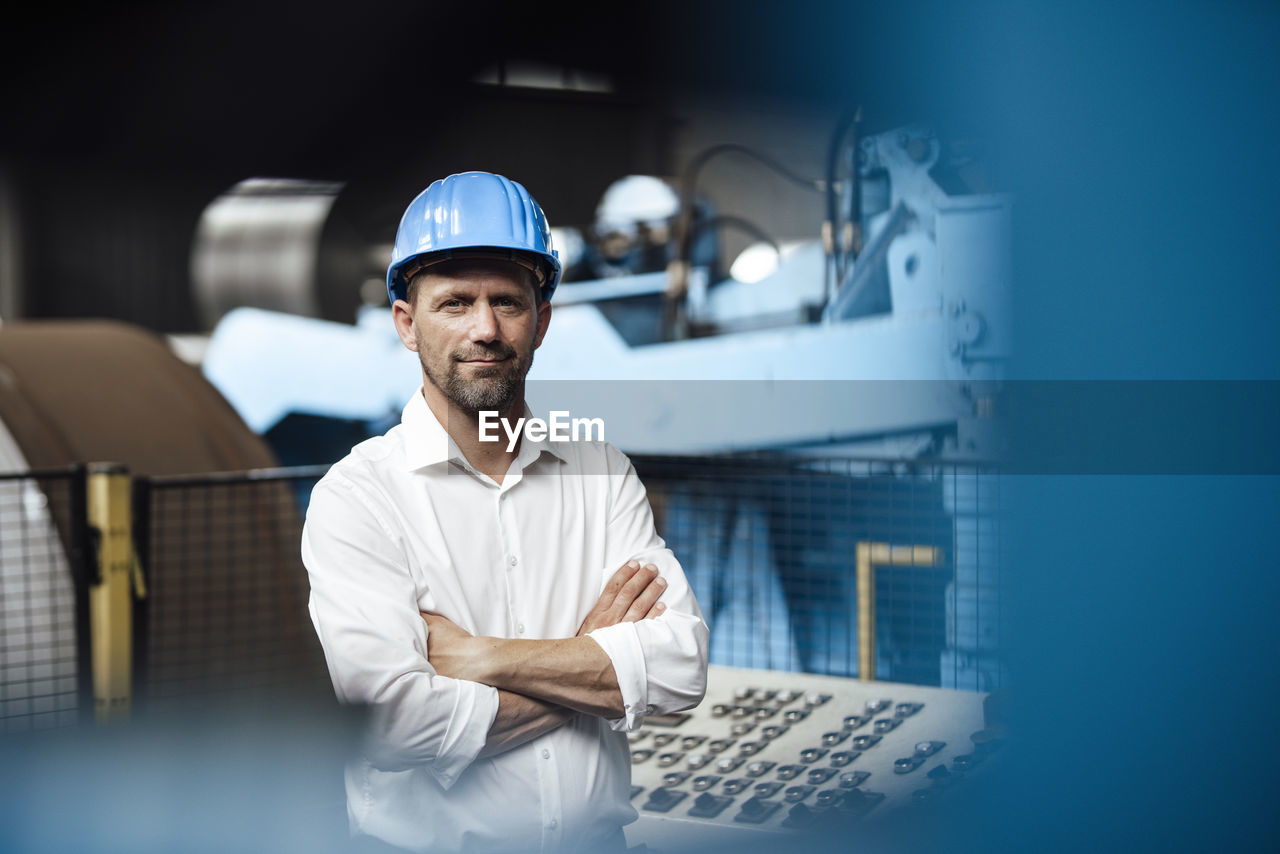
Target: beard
[494, 387]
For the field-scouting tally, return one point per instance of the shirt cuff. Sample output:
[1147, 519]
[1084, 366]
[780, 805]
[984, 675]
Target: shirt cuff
[621, 643]
[475, 707]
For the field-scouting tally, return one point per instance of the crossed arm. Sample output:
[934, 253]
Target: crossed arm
[542, 684]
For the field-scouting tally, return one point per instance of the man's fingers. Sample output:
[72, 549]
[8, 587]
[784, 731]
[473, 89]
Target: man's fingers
[633, 588]
[647, 599]
[624, 574]
[655, 611]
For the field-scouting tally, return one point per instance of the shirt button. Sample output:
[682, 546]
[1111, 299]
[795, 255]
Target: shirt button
[546, 754]
[513, 560]
[520, 628]
[553, 824]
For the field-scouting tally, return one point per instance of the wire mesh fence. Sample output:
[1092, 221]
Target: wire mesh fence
[771, 547]
[44, 652]
[226, 610]
[792, 559]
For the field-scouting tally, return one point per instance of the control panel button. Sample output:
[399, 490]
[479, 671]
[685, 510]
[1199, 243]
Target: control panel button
[675, 778]
[906, 764]
[750, 748]
[795, 794]
[812, 754]
[697, 760]
[772, 732]
[666, 760]
[790, 772]
[841, 758]
[862, 742]
[637, 736]
[883, 725]
[818, 776]
[828, 797]
[799, 816]
[756, 811]
[925, 749]
[727, 764]
[706, 781]
[858, 802]
[662, 800]
[906, 710]
[759, 768]
[663, 739]
[708, 805]
[720, 745]
[733, 787]
[875, 707]
[689, 742]
[766, 790]
[638, 756]
[853, 779]
[831, 739]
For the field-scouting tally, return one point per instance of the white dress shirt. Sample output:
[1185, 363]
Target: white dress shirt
[404, 524]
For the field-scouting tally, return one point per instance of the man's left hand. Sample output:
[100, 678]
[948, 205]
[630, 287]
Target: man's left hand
[452, 650]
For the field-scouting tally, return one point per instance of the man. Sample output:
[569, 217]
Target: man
[498, 609]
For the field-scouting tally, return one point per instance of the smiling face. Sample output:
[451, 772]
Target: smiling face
[474, 324]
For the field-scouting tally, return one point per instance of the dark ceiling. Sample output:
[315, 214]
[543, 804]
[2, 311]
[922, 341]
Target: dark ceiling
[310, 88]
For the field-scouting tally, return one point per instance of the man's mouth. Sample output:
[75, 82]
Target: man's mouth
[485, 359]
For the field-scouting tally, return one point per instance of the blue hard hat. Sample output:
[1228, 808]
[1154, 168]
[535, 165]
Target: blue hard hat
[465, 215]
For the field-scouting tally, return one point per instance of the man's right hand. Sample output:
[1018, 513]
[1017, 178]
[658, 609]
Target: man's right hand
[631, 594]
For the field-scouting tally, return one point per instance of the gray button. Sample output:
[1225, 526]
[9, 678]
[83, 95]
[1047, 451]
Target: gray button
[552, 825]
[513, 560]
[546, 754]
[520, 628]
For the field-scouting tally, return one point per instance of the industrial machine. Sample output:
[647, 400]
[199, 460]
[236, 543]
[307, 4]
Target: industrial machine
[783, 753]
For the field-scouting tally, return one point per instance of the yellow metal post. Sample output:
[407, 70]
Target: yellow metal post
[867, 556]
[110, 598]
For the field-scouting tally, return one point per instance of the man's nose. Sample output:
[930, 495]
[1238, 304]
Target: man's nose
[484, 323]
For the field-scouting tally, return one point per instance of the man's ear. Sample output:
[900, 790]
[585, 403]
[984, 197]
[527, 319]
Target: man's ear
[402, 317]
[544, 318]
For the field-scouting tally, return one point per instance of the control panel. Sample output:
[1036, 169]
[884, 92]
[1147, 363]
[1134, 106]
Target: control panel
[775, 751]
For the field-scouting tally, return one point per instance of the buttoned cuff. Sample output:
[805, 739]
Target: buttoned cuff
[621, 643]
[475, 707]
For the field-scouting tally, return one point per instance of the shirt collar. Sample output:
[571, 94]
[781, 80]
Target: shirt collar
[427, 443]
